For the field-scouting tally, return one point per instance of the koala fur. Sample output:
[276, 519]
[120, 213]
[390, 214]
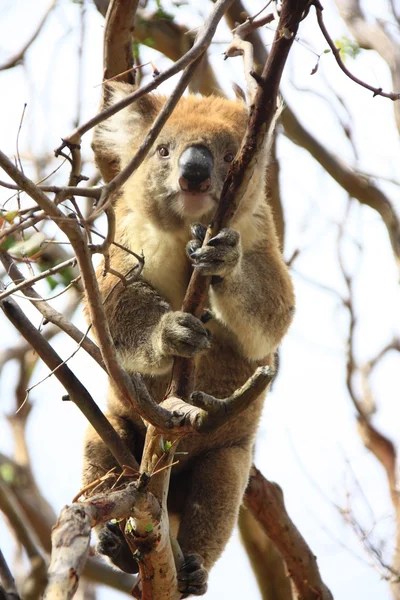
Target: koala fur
[251, 298]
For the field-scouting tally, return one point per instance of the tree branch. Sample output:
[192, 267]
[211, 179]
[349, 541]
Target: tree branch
[15, 60]
[77, 392]
[336, 53]
[265, 500]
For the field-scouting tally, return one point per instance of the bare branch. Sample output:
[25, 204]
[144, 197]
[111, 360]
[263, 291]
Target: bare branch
[201, 44]
[71, 262]
[118, 41]
[71, 534]
[7, 580]
[77, 392]
[262, 114]
[373, 36]
[50, 313]
[36, 580]
[66, 191]
[19, 56]
[265, 500]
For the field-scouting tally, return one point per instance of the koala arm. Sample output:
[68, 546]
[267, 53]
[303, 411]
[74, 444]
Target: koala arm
[147, 333]
[256, 301]
[251, 291]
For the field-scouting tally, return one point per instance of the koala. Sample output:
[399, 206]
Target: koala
[162, 211]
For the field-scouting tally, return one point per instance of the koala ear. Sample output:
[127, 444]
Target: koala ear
[116, 137]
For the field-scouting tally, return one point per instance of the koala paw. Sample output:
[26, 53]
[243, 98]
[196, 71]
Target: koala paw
[113, 544]
[192, 576]
[220, 256]
[183, 335]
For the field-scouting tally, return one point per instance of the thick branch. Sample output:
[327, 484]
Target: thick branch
[265, 560]
[262, 115]
[118, 40]
[265, 500]
[71, 534]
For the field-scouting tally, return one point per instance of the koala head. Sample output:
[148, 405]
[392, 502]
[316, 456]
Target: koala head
[181, 178]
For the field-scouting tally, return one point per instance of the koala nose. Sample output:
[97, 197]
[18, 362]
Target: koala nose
[195, 169]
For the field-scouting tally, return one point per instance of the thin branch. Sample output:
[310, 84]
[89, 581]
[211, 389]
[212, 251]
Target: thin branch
[37, 578]
[66, 191]
[201, 44]
[336, 53]
[50, 314]
[373, 36]
[71, 262]
[19, 56]
[76, 391]
[7, 579]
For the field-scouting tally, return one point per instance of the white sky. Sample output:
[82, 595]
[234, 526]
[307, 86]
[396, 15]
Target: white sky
[307, 440]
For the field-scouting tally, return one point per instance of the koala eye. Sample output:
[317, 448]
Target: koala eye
[163, 151]
[229, 157]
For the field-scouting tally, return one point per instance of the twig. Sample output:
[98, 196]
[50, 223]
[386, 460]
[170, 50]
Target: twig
[66, 191]
[7, 579]
[198, 48]
[19, 56]
[71, 262]
[77, 392]
[50, 313]
[336, 53]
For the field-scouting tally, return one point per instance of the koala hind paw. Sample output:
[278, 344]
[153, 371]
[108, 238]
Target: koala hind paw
[192, 576]
[113, 544]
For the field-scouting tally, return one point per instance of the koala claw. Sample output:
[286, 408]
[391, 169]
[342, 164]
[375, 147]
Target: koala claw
[220, 256]
[183, 335]
[113, 544]
[198, 231]
[192, 576]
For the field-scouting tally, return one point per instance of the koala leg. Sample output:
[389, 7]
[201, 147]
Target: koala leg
[98, 461]
[217, 485]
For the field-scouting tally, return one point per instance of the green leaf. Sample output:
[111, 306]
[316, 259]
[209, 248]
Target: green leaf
[129, 526]
[9, 216]
[167, 446]
[29, 246]
[149, 527]
[53, 283]
[347, 48]
[7, 472]
[7, 243]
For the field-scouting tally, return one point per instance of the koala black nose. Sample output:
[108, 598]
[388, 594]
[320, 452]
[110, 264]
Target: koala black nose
[195, 169]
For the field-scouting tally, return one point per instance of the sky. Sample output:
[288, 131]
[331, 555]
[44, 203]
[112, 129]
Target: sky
[307, 440]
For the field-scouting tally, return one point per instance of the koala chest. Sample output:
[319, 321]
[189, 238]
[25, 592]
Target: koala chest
[167, 270]
[166, 266]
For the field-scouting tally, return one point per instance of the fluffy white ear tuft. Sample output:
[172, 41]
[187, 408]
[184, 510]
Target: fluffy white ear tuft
[115, 138]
